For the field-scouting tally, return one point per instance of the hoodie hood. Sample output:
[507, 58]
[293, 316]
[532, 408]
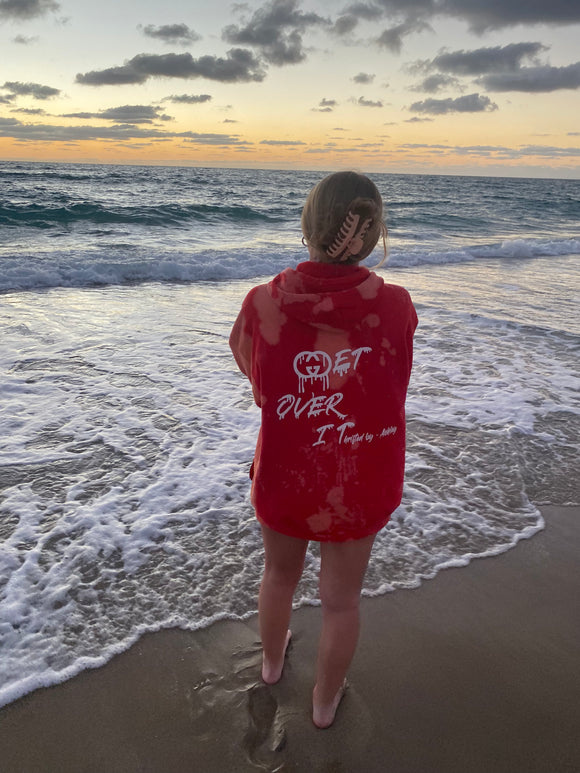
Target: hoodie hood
[326, 295]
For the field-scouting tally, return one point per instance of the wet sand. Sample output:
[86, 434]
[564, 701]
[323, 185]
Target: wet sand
[476, 671]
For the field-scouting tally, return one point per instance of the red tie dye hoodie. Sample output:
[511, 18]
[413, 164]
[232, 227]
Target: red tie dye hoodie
[328, 352]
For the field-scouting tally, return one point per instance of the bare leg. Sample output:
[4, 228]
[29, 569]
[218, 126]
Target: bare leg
[284, 559]
[343, 567]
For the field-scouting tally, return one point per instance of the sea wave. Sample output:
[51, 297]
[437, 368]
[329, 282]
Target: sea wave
[129, 264]
[167, 215]
[508, 248]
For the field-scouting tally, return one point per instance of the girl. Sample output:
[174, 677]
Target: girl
[327, 348]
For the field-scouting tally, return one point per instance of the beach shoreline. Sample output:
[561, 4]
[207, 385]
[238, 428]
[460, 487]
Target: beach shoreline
[475, 671]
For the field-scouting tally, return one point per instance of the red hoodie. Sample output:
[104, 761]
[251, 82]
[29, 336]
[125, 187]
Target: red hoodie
[328, 352]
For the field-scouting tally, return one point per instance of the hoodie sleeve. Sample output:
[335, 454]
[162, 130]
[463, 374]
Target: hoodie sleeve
[411, 327]
[241, 339]
[243, 342]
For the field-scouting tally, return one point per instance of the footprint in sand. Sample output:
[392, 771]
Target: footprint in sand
[247, 661]
[266, 734]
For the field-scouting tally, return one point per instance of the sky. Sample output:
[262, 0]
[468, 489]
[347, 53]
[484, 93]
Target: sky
[483, 87]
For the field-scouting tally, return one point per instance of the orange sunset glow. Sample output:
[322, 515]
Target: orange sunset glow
[286, 84]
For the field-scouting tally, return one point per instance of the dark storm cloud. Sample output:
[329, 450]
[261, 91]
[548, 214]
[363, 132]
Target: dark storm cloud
[26, 9]
[188, 99]
[543, 78]
[171, 33]
[276, 31]
[239, 66]
[363, 77]
[434, 83]
[128, 114]
[392, 38]
[485, 60]
[11, 127]
[471, 103]
[36, 90]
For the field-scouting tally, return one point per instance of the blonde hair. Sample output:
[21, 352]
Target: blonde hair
[333, 203]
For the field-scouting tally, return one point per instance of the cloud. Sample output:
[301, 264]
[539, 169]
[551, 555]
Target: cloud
[363, 77]
[415, 120]
[180, 34]
[15, 129]
[343, 26]
[368, 102]
[471, 103]
[29, 110]
[240, 66]
[543, 78]
[22, 40]
[276, 30]
[433, 83]
[392, 38]
[213, 139]
[282, 142]
[36, 90]
[482, 17]
[499, 69]
[485, 60]
[127, 114]
[325, 106]
[500, 150]
[188, 99]
[546, 150]
[355, 13]
[26, 9]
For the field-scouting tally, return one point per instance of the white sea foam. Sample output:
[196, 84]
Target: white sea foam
[129, 435]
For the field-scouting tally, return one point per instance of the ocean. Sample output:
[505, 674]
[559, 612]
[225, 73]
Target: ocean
[127, 432]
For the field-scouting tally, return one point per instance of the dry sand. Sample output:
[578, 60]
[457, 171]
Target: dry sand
[476, 671]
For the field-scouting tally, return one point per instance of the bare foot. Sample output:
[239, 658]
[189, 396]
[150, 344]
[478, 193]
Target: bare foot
[271, 672]
[323, 713]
